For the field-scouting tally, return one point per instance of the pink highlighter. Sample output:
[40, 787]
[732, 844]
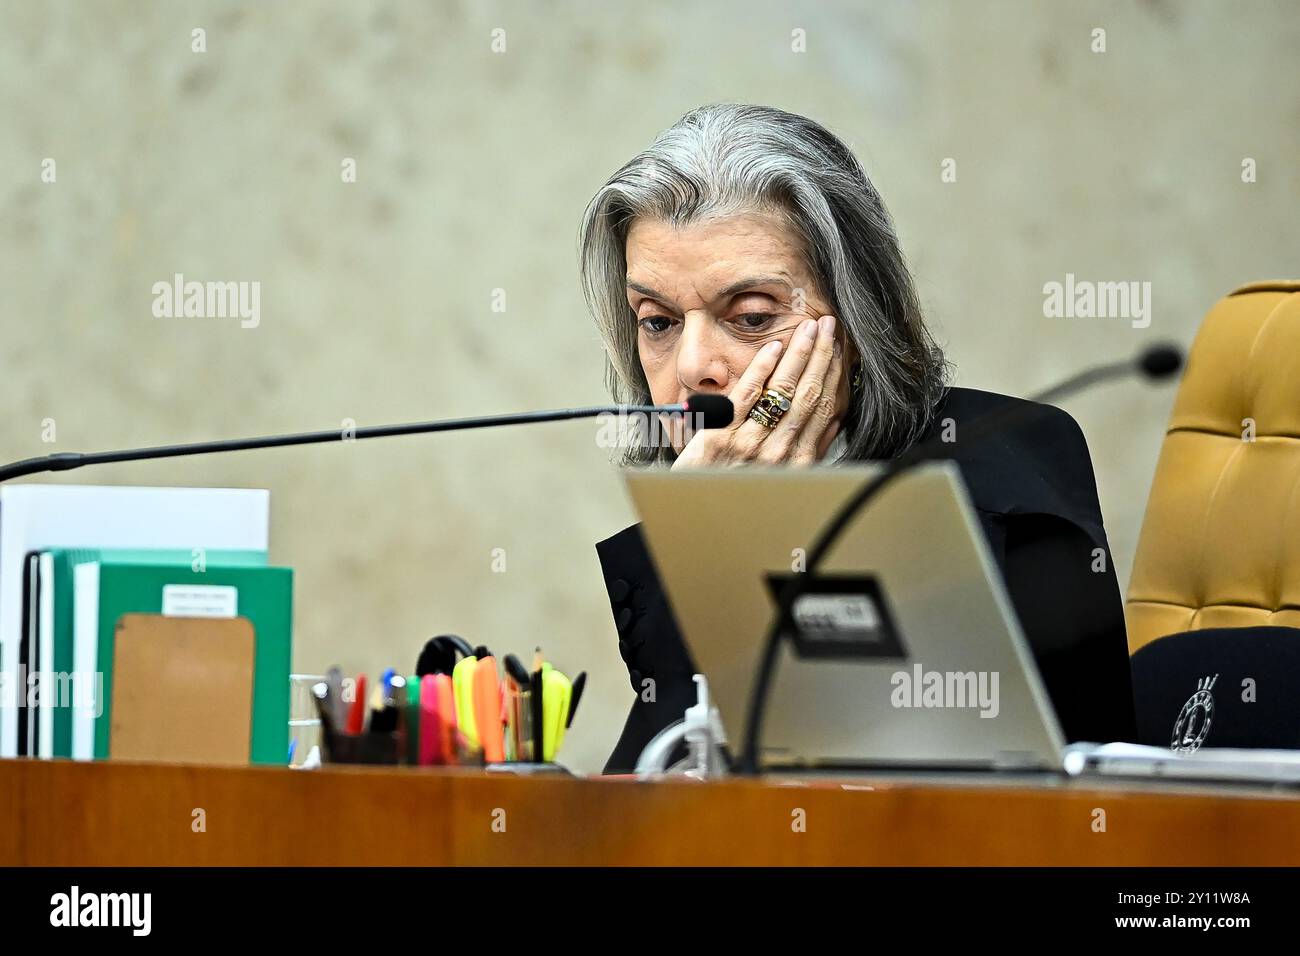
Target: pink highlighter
[437, 721]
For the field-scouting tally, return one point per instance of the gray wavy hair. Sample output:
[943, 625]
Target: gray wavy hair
[725, 159]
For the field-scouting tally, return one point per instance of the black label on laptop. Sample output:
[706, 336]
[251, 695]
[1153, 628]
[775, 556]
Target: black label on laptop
[840, 617]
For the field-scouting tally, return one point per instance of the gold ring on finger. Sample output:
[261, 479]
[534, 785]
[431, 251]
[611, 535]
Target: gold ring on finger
[780, 398]
[772, 405]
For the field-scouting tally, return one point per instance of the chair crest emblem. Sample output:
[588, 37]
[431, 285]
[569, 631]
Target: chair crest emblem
[1193, 723]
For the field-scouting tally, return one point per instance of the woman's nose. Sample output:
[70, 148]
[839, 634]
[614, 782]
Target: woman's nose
[701, 354]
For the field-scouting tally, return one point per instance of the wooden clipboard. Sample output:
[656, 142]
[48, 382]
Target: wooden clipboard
[182, 689]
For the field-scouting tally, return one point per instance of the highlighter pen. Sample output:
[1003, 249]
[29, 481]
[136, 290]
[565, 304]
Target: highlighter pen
[445, 702]
[437, 721]
[487, 709]
[556, 687]
[430, 730]
[462, 681]
[411, 719]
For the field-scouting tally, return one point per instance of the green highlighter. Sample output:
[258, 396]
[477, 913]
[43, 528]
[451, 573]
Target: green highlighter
[556, 690]
[411, 719]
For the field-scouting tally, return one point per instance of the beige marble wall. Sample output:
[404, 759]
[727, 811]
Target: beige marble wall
[472, 170]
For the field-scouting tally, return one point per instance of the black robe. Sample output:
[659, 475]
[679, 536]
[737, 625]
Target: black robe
[1032, 485]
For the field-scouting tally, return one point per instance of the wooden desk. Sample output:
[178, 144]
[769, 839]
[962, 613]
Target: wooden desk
[59, 813]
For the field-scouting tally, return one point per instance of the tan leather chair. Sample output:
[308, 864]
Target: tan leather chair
[1220, 543]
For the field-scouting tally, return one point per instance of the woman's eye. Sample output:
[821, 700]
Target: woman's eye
[754, 321]
[656, 324]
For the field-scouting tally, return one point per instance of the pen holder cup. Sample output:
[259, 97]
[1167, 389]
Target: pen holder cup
[363, 748]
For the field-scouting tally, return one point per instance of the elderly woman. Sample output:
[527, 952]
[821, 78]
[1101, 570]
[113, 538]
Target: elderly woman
[746, 253]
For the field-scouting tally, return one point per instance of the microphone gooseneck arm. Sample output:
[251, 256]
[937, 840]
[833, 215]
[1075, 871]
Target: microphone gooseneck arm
[66, 461]
[1155, 363]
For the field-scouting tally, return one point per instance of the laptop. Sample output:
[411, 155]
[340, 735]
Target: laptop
[906, 650]
[897, 641]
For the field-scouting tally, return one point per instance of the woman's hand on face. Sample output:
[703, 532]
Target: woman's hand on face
[810, 371]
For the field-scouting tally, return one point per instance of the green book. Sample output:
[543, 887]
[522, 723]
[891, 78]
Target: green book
[65, 560]
[264, 595]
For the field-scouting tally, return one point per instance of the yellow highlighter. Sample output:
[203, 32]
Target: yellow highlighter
[556, 690]
[462, 688]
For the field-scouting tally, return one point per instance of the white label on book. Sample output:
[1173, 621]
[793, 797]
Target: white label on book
[200, 600]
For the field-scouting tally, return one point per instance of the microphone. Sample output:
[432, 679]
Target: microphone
[1154, 363]
[706, 411]
[1160, 361]
[714, 411]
